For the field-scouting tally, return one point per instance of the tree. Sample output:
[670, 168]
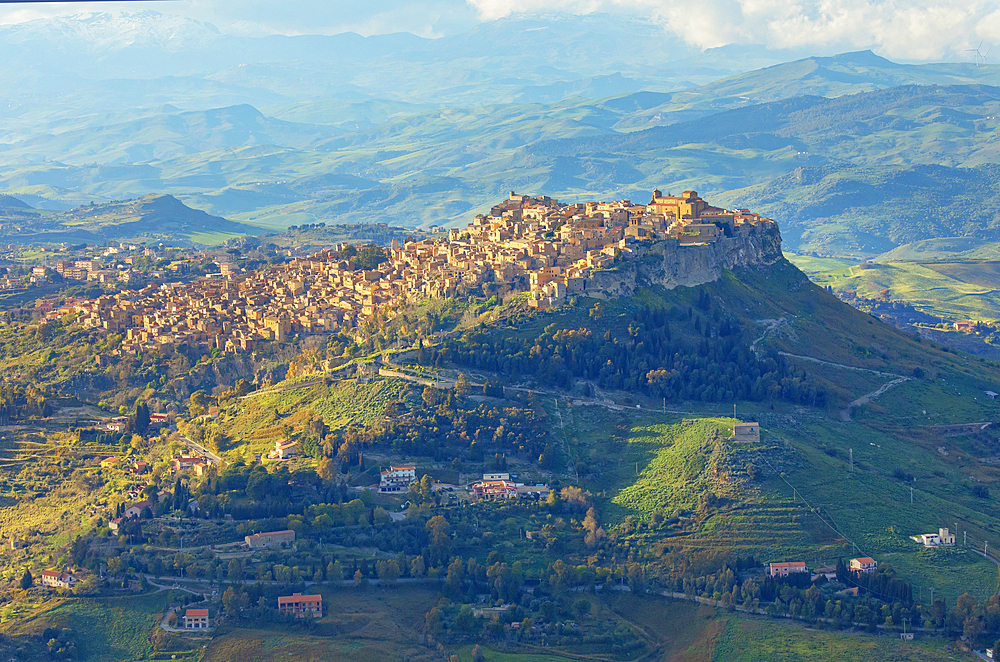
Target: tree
[26, 579]
[462, 385]
[388, 570]
[439, 531]
[433, 621]
[326, 470]
[581, 608]
[141, 418]
[417, 567]
[477, 654]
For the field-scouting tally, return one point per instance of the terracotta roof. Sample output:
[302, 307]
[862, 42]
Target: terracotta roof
[196, 613]
[298, 597]
[866, 559]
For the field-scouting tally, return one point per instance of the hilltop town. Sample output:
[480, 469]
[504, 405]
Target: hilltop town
[538, 245]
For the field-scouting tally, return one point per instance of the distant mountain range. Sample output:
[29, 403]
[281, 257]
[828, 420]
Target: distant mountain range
[280, 131]
[147, 219]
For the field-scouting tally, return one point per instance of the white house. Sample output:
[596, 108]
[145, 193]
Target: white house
[196, 619]
[397, 479]
[940, 539]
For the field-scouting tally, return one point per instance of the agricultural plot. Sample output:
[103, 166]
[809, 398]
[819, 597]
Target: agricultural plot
[950, 290]
[344, 402]
[870, 506]
[105, 629]
[360, 626]
[756, 639]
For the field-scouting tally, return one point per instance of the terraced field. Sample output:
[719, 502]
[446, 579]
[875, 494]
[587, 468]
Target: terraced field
[260, 420]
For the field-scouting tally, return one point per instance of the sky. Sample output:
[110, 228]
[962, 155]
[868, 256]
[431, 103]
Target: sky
[909, 30]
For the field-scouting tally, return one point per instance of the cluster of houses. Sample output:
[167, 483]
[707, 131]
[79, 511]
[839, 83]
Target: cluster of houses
[943, 538]
[94, 269]
[533, 244]
[863, 564]
[123, 424]
[134, 510]
[133, 465]
[296, 604]
[497, 486]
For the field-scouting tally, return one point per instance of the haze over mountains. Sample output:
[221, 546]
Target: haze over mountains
[277, 131]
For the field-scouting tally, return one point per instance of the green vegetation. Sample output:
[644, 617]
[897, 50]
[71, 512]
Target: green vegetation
[949, 290]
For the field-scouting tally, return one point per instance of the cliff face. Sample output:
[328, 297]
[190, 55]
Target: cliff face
[669, 264]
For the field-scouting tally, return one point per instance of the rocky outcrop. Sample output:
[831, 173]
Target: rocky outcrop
[668, 264]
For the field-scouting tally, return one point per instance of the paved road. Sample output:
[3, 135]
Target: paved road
[201, 449]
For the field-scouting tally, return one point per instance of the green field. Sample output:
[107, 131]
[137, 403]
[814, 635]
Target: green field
[952, 290]
[105, 629]
[812, 265]
[361, 626]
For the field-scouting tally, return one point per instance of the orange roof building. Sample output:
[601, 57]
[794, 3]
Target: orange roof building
[300, 606]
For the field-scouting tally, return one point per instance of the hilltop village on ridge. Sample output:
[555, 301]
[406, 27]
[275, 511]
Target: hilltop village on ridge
[538, 245]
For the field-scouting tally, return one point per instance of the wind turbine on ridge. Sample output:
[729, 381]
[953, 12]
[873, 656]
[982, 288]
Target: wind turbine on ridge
[978, 54]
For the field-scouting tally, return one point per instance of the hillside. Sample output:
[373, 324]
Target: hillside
[420, 165]
[147, 219]
[863, 211]
[650, 450]
[843, 74]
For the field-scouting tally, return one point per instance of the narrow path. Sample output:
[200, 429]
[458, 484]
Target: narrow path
[772, 325]
[845, 414]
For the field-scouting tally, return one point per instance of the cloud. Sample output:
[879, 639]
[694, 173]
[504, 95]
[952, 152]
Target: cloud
[902, 29]
[427, 18]
[916, 30]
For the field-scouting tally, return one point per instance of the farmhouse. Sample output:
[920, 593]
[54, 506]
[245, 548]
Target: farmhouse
[284, 449]
[185, 463]
[159, 420]
[747, 432]
[490, 490]
[943, 538]
[135, 510]
[300, 606]
[196, 619]
[397, 479]
[57, 579]
[786, 568]
[270, 540]
[864, 564]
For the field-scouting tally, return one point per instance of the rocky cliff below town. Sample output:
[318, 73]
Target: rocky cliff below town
[668, 264]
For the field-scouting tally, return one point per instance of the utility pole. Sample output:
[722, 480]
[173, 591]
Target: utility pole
[965, 538]
[852, 460]
[911, 496]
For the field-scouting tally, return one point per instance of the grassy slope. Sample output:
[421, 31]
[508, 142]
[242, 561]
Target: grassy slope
[947, 289]
[105, 629]
[360, 626]
[684, 632]
[812, 447]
